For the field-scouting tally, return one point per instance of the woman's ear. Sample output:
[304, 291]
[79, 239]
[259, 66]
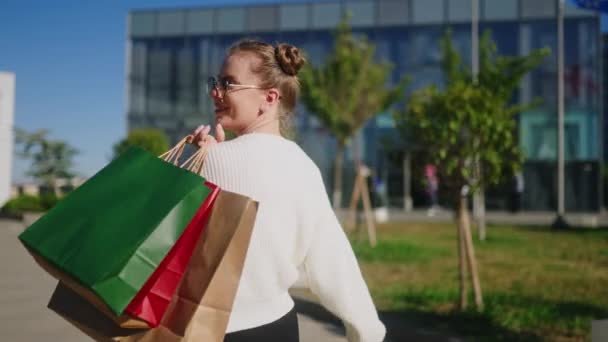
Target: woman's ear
[271, 98]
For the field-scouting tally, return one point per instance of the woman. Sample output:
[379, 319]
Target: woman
[296, 228]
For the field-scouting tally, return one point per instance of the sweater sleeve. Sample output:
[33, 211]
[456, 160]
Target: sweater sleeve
[334, 276]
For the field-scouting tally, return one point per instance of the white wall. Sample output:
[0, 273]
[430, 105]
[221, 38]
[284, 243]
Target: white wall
[7, 110]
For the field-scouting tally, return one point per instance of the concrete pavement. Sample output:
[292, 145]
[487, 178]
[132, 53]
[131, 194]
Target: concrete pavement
[25, 290]
[526, 218]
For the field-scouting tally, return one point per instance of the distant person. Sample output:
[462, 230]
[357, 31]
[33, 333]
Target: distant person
[432, 187]
[380, 199]
[517, 190]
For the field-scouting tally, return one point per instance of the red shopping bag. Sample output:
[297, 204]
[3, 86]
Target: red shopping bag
[152, 300]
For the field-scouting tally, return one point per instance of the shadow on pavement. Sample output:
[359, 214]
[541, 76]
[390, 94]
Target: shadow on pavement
[399, 325]
[418, 325]
[414, 325]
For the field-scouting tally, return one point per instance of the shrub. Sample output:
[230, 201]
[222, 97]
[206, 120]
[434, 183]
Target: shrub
[21, 204]
[24, 203]
[48, 200]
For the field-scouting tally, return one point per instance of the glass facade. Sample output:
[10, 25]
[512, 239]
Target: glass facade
[172, 52]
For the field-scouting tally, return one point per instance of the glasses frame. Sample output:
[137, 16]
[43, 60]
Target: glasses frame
[223, 86]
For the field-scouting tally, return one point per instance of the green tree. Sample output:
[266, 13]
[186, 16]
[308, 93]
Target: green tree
[153, 140]
[346, 91]
[470, 120]
[51, 159]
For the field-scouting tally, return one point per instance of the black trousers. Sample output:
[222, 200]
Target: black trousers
[285, 329]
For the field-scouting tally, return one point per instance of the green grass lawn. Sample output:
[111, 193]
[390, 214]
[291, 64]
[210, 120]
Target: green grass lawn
[538, 284]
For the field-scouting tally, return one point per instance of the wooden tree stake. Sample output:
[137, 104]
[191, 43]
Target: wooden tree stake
[361, 192]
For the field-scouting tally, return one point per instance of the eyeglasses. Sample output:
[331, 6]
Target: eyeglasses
[223, 85]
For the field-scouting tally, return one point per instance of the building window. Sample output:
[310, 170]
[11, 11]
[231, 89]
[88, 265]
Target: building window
[393, 12]
[186, 75]
[459, 10]
[326, 15]
[427, 11]
[159, 101]
[142, 24]
[231, 20]
[171, 23]
[137, 98]
[199, 22]
[185, 102]
[500, 10]
[363, 13]
[572, 10]
[160, 67]
[538, 9]
[138, 60]
[262, 18]
[293, 17]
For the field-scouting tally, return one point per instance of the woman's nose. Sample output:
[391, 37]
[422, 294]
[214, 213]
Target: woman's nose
[215, 93]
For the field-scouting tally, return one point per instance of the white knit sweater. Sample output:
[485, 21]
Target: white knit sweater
[295, 230]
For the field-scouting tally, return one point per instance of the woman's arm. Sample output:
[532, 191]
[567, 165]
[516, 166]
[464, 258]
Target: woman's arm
[334, 276]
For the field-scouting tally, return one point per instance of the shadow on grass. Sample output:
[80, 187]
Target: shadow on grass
[447, 326]
[506, 318]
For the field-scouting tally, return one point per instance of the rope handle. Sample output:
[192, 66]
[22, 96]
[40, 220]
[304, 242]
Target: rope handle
[193, 164]
[173, 155]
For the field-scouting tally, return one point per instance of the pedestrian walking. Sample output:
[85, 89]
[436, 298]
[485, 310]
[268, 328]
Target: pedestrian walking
[255, 95]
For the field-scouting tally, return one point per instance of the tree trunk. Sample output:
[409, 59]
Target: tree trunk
[462, 262]
[337, 195]
[479, 203]
[481, 214]
[463, 216]
[407, 172]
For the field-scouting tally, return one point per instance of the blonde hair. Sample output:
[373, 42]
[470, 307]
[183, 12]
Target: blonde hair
[278, 68]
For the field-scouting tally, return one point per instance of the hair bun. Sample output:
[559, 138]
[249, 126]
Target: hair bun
[289, 58]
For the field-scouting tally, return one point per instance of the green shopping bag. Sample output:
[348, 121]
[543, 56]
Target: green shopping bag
[112, 232]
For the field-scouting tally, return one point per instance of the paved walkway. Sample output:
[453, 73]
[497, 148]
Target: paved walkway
[25, 290]
[588, 220]
[24, 293]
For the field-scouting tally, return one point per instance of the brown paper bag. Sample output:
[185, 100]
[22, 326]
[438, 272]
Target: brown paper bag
[83, 314]
[201, 306]
[76, 290]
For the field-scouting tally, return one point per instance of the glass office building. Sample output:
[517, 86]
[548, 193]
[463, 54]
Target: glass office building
[172, 52]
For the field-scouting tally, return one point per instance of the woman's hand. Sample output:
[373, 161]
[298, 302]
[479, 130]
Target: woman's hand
[202, 138]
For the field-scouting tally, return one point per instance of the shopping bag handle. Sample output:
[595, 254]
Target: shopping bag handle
[172, 156]
[196, 160]
[193, 164]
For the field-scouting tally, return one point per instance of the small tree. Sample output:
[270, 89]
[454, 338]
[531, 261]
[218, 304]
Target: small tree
[346, 91]
[153, 140]
[466, 122]
[51, 159]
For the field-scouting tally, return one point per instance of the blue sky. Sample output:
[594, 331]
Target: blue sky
[69, 57]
